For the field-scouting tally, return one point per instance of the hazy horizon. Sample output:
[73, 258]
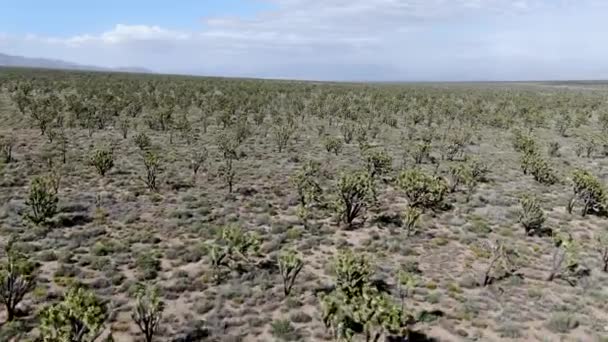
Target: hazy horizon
[334, 40]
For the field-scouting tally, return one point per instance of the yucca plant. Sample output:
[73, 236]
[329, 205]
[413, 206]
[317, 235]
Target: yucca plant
[422, 191]
[17, 278]
[531, 215]
[102, 160]
[42, 201]
[356, 191]
[79, 317]
[148, 311]
[588, 190]
[290, 265]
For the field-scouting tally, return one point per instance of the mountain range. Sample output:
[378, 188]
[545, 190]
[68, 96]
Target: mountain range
[27, 62]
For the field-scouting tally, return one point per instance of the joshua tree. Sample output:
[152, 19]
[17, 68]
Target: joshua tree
[148, 311]
[17, 278]
[80, 317]
[290, 266]
[355, 192]
[531, 216]
[42, 201]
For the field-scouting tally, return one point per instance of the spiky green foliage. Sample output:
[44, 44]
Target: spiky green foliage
[41, 201]
[589, 191]
[103, 160]
[524, 143]
[355, 306]
[290, 265]
[152, 164]
[421, 152]
[306, 181]
[142, 141]
[282, 134]
[17, 278]
[233, 247]
[539, 168]
[422, 191]
[79, 317]
[531, 215]
[355, 191]
[459, 174]
[411, 216]
[148, 311]
[378, 163]
[333, 145]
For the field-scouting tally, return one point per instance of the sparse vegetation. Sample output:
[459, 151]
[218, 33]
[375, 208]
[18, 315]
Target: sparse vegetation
[221, 195]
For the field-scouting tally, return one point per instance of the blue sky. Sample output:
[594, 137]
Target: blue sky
[430, 40]
[72, 17]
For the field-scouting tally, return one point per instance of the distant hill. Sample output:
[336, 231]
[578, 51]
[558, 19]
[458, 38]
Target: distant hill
[20, 61]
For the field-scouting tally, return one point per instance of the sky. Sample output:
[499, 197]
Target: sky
[344, 40]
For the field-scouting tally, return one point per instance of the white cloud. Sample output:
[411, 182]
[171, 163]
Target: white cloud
[353, 39]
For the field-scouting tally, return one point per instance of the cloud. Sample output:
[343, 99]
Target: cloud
[360, 39]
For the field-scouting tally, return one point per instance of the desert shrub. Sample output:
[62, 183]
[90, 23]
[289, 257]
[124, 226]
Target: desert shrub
[356, 306]
[524, 143]
[290, 265]
[242, 130]
[333, 145]
[347, 130]
[197, 160]
[142, 141]
[421, 152]
[459, 174]
[563, 123]
[79, 317]
[562, 322]
[148, 311]
[565, 260]
[228, 173]
[228, 148]
[102, 160]
[6, 148]
[232, 248]
[531, 216]
[601, 240]
[479, 170]
[282, 134]
[539, 168]
[356, 191]
[455, 143]
[160, 119]
[283, 330]
[553, 149]
[123, 122]
[588, 190]
[17, 278]
[422, 191]
[41, 201]
[148, 265]
[62, 143]
[406, 283]
[378, 163]
[307, 184]
[411, 216]
[152, 165]
[587, 146]
[501, 265]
